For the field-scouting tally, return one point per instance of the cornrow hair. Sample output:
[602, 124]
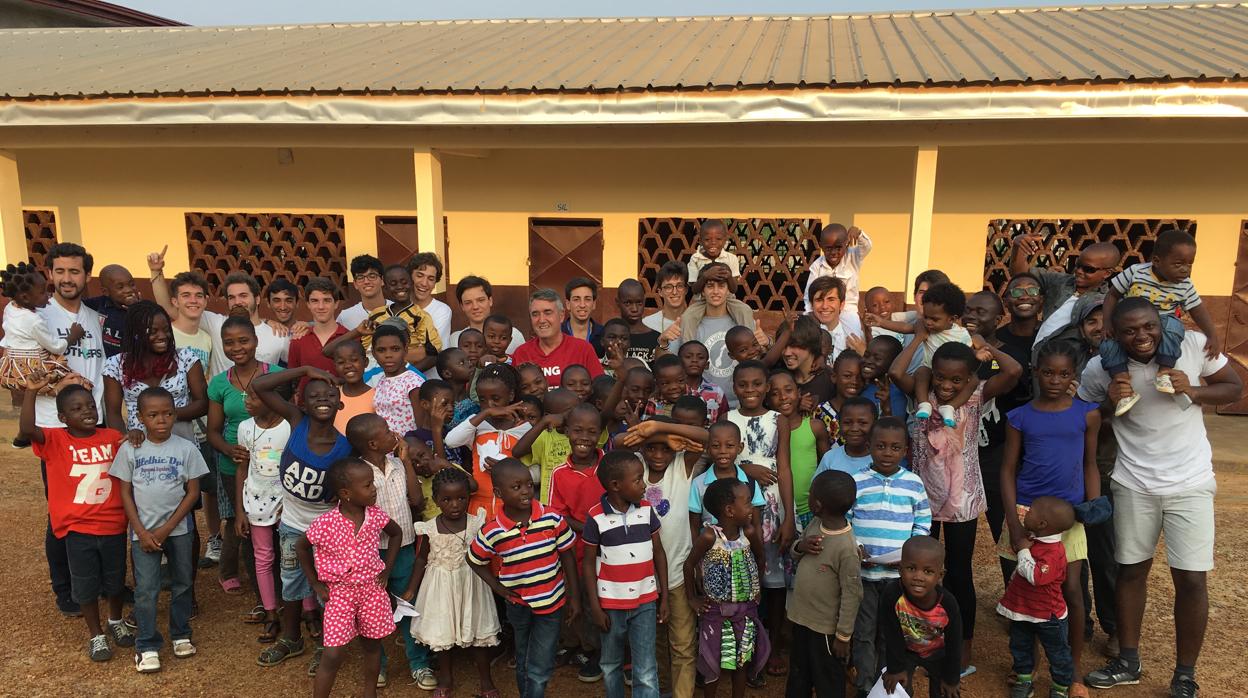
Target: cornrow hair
[501, 372]
[20, 278]
[846, 355]
[449, 476]
[139, 362]
[1066, 349]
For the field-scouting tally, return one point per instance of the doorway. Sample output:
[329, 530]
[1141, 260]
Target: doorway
[563, 248]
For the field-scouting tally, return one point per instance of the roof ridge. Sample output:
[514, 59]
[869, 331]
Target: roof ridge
[606, 20]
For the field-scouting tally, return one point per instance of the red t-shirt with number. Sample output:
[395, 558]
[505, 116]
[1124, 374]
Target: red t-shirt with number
[81, 496]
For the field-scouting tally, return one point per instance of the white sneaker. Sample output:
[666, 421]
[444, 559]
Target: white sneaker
[924, 410]
[948, 415]
[1163, 383]
[183, 649]
[147, 662]
[1125, 404]
[425, 679]
[214, 548]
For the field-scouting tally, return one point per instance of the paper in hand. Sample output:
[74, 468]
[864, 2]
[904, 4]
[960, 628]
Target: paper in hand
[878, 691]
[892, 558]
[403, 609]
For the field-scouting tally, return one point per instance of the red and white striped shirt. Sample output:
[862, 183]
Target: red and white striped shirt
[625, 565]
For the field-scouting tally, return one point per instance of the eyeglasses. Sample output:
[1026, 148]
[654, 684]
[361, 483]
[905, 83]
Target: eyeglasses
[370, 276]
[1089, 269]
[672, 288]
[1020, 291]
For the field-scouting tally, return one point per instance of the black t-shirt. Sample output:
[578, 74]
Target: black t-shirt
[642, 345]
[820, 386]
[992, 418]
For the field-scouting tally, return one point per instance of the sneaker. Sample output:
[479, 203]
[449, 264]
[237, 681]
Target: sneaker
[1163, 383]
[1111, 647]
[183, 649]
[130, 621]
[1023, 689]
[1055, 692]
[147, 662]
[382, 679]
[425, 679]
[1125, 404]
[1184, 686]
[589, 672]
[948, 415]
[98, 649]
[212, 553]
[68, 608]
[924, 410]
[123, 636]
[20, 443]
[1116, 673]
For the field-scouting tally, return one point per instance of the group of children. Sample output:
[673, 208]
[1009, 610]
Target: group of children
[481, 509]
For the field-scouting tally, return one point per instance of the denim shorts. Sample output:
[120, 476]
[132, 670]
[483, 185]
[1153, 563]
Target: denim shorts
[295, 586]
[97, 565]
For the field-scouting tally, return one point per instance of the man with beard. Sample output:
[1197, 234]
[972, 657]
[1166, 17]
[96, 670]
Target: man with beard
[119, 293]
[70, 267]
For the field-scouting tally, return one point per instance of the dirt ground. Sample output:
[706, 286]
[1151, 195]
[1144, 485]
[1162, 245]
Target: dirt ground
[44, 653]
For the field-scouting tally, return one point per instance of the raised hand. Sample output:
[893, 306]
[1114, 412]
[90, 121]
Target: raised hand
[1029, 243]
[156, 261]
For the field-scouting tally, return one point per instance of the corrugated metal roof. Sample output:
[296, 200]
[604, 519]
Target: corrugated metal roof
[1019, 46]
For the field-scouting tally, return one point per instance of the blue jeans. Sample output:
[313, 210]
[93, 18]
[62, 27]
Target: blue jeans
[1052, 635]
[295, 586]
[147, 588]
[1114, 357]
[417, 654]
[537, 641]
[631, 629]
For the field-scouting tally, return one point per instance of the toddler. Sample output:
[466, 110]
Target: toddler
[29, 345]
[943, 306]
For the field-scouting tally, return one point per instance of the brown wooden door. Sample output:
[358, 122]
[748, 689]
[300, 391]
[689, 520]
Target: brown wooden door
[1237, 322]
[560, 249]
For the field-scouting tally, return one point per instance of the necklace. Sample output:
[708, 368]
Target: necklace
[236, 378]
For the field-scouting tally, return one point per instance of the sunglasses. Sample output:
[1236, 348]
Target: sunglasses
[1019, 292]
[1089, 269]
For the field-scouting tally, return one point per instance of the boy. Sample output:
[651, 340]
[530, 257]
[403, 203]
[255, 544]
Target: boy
[943, 307]
[694, 358]
[878, 387]
[581, 295]
[366, 276]
[321, 296]
[891, 507]
[723, 447]
[616, 345]
[625, 574]
[472, 342]
[117, 283]
[669, 386]
[545, 445]
[425, 270]
[1166, 282]
[711, 243]
[159, 486]
[826, 592]
[1034, 602]
[398, 494]
[921, 623]
[83, 506]
[423, 339]
[643, 340]
[283, 298]
[532, 548]
[878, 301]
[672, 286]
[499, 339]
[856, 418]
[843, 253]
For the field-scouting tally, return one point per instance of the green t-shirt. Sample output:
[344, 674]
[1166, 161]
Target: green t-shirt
[223, 392]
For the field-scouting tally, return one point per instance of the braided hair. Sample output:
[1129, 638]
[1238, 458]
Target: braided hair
[504, 373]
[20, 278]
[139, 362]
[452, 475]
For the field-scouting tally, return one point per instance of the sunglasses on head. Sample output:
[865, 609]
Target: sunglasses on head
[1020, 291]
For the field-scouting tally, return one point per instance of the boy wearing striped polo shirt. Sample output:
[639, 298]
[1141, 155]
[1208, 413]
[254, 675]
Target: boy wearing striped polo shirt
[625, 572]
[531, 547]
[891, 507]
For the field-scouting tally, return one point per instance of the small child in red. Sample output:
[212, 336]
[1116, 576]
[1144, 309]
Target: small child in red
[1033, 599]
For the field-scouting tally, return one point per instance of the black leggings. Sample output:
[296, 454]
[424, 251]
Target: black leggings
[959, 577]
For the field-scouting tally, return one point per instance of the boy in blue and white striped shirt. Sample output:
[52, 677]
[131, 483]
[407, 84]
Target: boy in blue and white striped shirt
[890, 508]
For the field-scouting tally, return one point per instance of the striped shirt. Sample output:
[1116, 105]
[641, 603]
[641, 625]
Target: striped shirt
[1170, 298]
[625, 565]
[529, 555]
[392, 497]
[889, 511]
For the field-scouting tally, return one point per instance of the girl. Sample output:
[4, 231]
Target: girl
[532, 381]
[338, 554]
[577, 379]
[765, 459]
[722, 567]
[396, 397]
[846, 382]
[456, 606]
[29, 345]
[695, 358]
[350, 362]
[492, 433]
[227, 409]
[808, 441]
[947, 458]
[453, 367]
[1050, 450]
[258, 500]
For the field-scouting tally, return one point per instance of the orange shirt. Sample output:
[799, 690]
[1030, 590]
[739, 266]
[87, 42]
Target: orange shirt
[351, 406]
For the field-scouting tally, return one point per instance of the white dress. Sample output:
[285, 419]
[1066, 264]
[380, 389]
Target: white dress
[456, 606]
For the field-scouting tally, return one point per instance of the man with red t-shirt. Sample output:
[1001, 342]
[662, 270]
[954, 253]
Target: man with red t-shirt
[84, 507]
[550, 348]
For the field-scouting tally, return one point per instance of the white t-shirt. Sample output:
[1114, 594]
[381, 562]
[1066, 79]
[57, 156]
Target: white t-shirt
[846, 270]
[441, 314]
[86, 357]
[262, 490]
[351, 318]
[849, 326]
[1059, 319]
[1162, 447]
[517, 338]
[657, 322]
[270, 348]
[674, 515]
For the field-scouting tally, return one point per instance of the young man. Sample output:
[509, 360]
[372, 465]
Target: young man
[70, 268]
[424, 340]
[321, 296]
[1163, 480]
[426, 271]
[1097, 262]
[283, 298]
[708, 321]
[643, 340]
[843, 250]
[673, 289]
[827, 297]
[581, 295]
[366, 273]
[476, 298]
[119, 293]
[550, 348]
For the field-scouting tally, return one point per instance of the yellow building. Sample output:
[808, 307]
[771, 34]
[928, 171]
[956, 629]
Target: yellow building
[596, 145]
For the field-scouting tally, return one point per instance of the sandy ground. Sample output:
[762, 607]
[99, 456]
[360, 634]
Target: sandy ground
[44, 653]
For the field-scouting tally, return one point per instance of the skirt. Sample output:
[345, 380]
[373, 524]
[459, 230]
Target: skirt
[16, 367]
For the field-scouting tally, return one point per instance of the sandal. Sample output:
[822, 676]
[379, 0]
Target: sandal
[441, 692]
[282, 650]
[316, 661]
[776, 666]
[255, 616]
[272, 630]
[231, 586]
[315, 628]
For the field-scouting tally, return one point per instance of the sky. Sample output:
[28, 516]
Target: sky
[227, 12]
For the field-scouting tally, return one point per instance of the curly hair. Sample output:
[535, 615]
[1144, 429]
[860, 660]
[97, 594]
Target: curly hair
[20, 278]
[139, 362]
[449, 476]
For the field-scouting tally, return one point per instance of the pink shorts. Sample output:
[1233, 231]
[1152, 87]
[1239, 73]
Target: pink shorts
[356, 609]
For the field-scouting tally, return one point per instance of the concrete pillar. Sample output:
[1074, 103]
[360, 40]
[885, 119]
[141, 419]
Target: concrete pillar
[12, 223]
[919, 254]
[431, 236]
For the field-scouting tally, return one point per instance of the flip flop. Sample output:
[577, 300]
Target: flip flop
[970, 669]
[255, 616]
[231, 586]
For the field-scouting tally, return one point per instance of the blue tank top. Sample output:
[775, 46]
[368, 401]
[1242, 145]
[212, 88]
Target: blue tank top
[304, 494]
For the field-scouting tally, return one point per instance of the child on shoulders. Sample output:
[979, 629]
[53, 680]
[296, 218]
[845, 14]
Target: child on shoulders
[843, 252]
[712, 245]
